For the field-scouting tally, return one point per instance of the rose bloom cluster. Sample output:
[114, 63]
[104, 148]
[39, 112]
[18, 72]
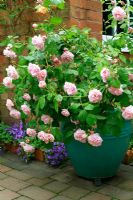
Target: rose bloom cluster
[13, 112]
[12, 74]
[46, 137]
[38, 41]
[27, 147]
[93, 139]
[41, 75]
[118, 13]
[8, 52]
[66, 57]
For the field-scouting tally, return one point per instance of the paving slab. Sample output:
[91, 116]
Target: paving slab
[96, 196]
[116, 192]
[23, 198]
[18, 174]
[62, 177]
[56, 186]
[59, 197]
[126, 185]
[4, 169]
[13, 184]
[39, 182]
[75, 192]
[37, 193]
[8, 195]
[2, 176]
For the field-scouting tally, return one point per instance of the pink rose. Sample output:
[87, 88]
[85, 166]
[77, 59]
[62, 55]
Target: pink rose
[67, 56]
[8, 52]
[80, 135]
[26, 110]
[41, 135]
[46, 119]
[42, 84]
[42, 74]
[31, 132]
[9, 104]
[130, 77]
[115, 91]
[70, 88]
[56, 61]
[34, 25]
[26, 97]
[95, 140]
[22, 144]
[65, 112]
[38, 42]
[28, 148]
[33, 69]
[7, 81]
[105, 73]
[128, 113]
[39, 1]
[118, 13]
[15, 114]
[46, 137]
[95, 96]
[12, 72]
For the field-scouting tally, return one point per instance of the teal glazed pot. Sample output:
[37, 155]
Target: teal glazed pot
[100, 162]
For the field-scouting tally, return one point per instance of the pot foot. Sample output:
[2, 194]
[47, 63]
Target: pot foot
[97, 182]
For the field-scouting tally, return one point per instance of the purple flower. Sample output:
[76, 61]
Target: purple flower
[57, 154]
[17, 131]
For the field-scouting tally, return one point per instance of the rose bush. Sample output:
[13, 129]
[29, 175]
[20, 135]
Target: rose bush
[68, 77]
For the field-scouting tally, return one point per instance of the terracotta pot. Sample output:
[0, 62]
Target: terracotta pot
[39, 155]
[12, 148]
[128, 157]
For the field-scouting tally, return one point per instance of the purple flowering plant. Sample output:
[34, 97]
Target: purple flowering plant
[17, 131]
[56, 155]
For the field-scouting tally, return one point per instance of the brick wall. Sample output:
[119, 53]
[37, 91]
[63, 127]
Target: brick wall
[83, 13]
[87, 13]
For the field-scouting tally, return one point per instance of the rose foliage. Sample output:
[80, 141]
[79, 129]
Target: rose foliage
[69, 78]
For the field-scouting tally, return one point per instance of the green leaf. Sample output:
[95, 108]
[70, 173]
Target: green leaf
[89, 107]
[56, 105]
[59, 98]
[123, 58]
[100, 117]
[57, 133]
[82, 116]
[74, 106]
[56, 20]
[91, 119]
[114, 83]
[41, 102]
[71, 71]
